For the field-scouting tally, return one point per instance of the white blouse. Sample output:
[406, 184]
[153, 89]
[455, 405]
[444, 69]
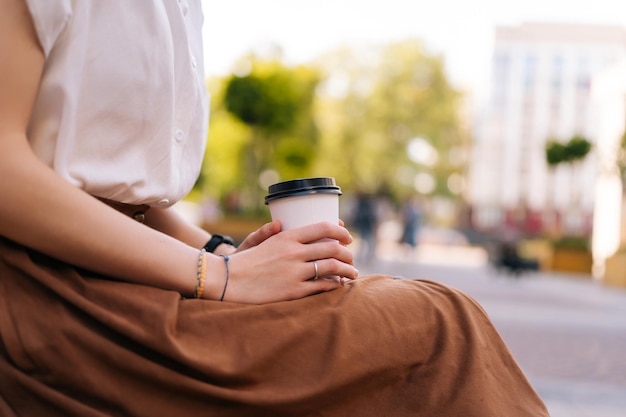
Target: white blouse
[122, 109]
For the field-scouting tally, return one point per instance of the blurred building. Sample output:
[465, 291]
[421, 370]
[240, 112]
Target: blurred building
[540, 91]
[609, 107]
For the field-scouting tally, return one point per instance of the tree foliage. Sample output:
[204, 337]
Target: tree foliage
[571, 153]
[271, 107]
[266, 99]
[555, 153]
[576, 149]
[390, 96]
[351, 114]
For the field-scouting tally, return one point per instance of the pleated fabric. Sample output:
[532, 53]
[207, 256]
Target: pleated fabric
[73, 343]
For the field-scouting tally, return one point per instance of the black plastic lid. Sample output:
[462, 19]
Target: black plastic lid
[302, 186]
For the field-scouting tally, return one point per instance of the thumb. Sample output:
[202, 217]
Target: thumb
[263, 233]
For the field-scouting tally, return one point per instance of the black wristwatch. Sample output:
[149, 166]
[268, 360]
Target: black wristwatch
[217, 240]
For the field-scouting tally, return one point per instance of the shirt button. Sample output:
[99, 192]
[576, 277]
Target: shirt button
[193, 61]
[179, 136]
[185, 7]
[164, 202]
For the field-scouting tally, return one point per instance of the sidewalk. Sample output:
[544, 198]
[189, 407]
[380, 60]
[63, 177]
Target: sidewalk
[568, 332]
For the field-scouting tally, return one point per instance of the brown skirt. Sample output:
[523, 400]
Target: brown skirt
[75, 344]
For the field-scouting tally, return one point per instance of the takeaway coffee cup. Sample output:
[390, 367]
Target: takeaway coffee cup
[304, 201]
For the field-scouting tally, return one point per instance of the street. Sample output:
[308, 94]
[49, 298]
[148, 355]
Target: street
[567, 332]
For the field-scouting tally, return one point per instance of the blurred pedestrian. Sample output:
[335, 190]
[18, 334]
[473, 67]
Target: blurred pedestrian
[411, 222]
[366, 224]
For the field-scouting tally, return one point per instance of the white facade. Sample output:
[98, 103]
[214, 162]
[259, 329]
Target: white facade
[609, 109]
[541, 90]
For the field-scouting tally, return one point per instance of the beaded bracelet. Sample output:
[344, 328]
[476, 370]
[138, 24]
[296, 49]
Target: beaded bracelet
[201, 274]
[226, 259]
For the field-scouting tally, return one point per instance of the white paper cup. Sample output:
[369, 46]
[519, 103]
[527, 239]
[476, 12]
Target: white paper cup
[304, 201]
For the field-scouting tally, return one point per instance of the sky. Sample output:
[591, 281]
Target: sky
[460, 30]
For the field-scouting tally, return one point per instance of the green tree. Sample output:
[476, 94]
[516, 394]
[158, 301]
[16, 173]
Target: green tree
[571, 153]
[556, 153]
[351, 114]
[274, 103]
[577, 149]
[387, 97]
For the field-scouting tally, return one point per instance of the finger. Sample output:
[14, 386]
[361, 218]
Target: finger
[323, 285]
[330, 268]
[323, 230]
[328, 249]
[263, 233]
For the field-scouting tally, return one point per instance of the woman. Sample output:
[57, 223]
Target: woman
[108, 304]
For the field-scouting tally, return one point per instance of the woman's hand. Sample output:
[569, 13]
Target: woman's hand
[270, 266]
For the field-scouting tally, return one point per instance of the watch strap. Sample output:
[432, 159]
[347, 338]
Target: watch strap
[217, 240]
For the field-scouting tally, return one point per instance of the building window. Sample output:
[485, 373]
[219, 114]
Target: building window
[557, 74]
[501, 67]
[529, 72]
[583, 79]
[556, 84]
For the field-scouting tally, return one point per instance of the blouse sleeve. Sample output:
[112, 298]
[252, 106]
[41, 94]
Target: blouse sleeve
[49, 18]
